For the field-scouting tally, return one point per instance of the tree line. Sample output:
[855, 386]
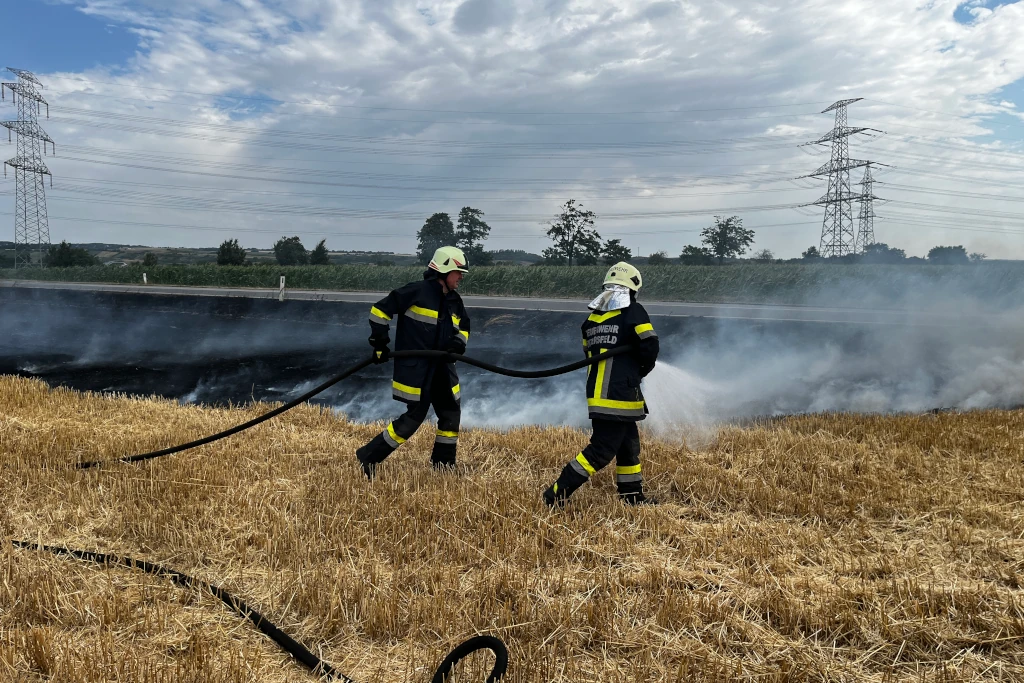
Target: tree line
[289, 251]
[575, 242]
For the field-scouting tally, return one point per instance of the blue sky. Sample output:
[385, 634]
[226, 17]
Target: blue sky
[47, 37]
[369, 115]
[967, 12]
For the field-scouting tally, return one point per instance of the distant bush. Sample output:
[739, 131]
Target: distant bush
[319, 256]
[658, 258]
[291, 252]
[230, 254]
[64, 256]
[948, 256]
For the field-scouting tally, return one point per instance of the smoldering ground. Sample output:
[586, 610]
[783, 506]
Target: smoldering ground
[712, 370]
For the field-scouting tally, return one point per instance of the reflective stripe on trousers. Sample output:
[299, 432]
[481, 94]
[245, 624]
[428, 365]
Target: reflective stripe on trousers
[628, 474]
[446, 436]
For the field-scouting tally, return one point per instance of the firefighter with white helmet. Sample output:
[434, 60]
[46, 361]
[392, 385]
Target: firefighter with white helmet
[614, 399]
[428, 315]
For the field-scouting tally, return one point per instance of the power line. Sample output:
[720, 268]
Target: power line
[341, 212]
[967, 117]
[538, 235]
[438, 111]
[404, 141]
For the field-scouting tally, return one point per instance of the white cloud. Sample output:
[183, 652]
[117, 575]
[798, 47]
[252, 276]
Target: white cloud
[756, 77]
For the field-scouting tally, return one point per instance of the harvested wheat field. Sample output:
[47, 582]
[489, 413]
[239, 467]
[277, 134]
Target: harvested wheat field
[823, 548]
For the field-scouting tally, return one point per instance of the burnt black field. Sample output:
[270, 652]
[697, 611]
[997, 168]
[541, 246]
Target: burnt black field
[233, 350]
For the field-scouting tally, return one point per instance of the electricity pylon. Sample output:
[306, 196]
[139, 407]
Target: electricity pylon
[838, 237]
[866, 217]
[31, 225]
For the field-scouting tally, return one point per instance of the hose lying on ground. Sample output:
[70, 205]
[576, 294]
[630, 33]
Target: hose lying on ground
[289, 644]
[296, 649]
[440, 356]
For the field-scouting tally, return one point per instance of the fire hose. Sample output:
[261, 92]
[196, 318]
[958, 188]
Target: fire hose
[282, 639]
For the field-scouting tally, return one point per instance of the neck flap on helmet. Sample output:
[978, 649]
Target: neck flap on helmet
[612, 298]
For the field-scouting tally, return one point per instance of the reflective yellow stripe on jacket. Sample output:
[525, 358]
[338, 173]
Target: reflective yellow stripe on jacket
[610, 407]
[424, 315]
[455, 321]
[645, 330]
[379, 316]
[601, 317]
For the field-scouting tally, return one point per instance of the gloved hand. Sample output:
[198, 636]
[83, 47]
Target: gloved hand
[381, 352]
[456, 345]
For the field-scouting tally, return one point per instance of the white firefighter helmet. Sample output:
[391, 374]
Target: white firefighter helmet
[447, 259]
[624, 274]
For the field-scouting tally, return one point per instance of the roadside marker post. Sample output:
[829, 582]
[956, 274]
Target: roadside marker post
[280, 292]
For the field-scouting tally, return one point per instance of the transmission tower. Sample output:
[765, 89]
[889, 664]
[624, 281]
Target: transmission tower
[866, 217]
[837, 230]
[31, 227]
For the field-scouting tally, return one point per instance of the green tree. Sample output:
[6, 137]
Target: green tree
[764, 256]
[880, 252]
[290, 252]
[727, 238]
[576, 242]
[658, 258]
[614, 251]
[436, 232]
[811, 254]
[65, 256]
[696, 256]
[230, 254]
[470, 232]
[948, 256]
[149, 260]
[977, 257]
[319, 255]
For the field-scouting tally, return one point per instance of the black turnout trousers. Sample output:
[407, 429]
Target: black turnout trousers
[438, 394]
[613, 439]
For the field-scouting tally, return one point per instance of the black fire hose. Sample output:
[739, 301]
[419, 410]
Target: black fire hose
[436, 355]
[296, 649]
[289, 644]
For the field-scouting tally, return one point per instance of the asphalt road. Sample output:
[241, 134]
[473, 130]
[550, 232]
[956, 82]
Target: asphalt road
[775, 313]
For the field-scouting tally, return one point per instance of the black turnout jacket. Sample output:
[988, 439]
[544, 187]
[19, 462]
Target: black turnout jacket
[613, 385]
[427, 319]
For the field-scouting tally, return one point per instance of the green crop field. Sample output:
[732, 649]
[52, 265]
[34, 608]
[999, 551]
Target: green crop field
[859, 285]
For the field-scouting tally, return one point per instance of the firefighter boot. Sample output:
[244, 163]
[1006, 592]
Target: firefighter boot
[638, 499]
[442, 457]
[633, 494]
[373, 453]
[568, 481]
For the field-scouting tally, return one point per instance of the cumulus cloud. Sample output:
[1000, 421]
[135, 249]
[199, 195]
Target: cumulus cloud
[363, 117]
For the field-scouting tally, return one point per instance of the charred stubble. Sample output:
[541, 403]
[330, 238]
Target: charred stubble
[831, 547]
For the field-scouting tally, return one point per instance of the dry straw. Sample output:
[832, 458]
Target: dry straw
[824, 548]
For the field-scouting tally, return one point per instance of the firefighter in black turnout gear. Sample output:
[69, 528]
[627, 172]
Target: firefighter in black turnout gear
[614, 399]
[429, 315]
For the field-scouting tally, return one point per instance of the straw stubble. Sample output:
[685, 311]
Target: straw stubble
[832, 547]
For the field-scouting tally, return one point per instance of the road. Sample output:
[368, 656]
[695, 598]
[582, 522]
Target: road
[765, 312]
